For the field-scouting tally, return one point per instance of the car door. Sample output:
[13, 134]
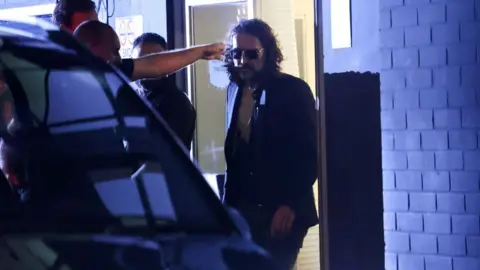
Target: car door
[68, 108]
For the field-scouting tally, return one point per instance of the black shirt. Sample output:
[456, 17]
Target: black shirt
[127, 66]
[174, 107]
[172, 104]
[128, 101]
[246, 191]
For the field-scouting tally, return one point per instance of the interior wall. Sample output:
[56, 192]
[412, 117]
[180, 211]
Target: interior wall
[304, 9]
[280, 14]
[309, 257]
[154, 13]
[283, 15]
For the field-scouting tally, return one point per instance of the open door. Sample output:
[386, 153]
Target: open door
[208, 21]
[193, 22]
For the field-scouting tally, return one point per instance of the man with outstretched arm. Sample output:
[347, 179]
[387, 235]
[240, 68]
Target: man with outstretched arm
[80, 17]
[102, 40]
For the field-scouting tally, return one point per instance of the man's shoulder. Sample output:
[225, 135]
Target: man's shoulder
[286, 85]
[285, 79]
[127, 67]
[178, 94]
[177, 97]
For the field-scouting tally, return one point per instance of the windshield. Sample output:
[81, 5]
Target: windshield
[81, 145]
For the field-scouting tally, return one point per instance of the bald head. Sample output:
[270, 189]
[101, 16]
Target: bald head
[100, 38]
[91, 31]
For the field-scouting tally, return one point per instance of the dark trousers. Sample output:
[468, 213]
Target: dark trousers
[283, 248]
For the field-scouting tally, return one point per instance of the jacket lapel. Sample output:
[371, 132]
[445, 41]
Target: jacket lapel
[232, 92]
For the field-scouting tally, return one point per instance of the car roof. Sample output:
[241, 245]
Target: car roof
[26, 26]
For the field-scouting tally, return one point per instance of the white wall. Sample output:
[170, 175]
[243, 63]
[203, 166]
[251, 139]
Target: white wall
[154, 13]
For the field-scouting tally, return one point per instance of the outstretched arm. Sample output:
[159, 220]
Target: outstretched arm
[161, 64]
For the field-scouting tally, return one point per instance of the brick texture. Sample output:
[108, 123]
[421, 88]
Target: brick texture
[430, 133]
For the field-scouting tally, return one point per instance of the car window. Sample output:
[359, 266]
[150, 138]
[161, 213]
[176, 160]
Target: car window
[95, 151]
[113, 184]
[75, 89]
[108, 189]
[57, 89]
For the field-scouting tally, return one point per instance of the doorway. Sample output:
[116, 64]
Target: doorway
[206, 21]
[325, 246]
[209, 21]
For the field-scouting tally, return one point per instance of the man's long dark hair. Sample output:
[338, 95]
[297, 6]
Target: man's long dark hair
[271, 49]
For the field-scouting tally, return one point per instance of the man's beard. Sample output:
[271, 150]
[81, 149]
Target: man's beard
[245, 75]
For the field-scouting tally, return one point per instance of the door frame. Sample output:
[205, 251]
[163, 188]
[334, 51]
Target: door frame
[324, 249]
[176, 33]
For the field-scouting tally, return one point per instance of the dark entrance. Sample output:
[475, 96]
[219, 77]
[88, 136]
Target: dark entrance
[353, 195]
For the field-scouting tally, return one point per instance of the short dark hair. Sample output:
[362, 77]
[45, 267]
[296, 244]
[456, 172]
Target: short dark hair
[90, 32]
[152, 38]
[65, 9]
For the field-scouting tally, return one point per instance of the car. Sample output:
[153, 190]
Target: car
[92, 177]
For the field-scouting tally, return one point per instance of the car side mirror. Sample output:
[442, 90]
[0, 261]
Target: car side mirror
[240, 222]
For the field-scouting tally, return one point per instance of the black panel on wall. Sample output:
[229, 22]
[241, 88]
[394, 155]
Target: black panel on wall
[354, 171]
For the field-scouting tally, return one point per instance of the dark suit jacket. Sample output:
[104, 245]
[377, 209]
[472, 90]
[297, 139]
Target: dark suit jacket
[284, 141]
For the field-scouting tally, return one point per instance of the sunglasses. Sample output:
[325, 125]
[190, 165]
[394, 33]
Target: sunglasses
[250, 54]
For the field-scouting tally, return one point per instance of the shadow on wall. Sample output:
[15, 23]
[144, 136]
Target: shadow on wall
[354, 168]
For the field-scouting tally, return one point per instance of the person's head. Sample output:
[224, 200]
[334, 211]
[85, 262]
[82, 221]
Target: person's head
[101, 39]
[252, 51]
[69, 14]
[149, 43]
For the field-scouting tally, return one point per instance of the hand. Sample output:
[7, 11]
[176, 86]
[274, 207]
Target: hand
[213, 51]
[282, 220]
